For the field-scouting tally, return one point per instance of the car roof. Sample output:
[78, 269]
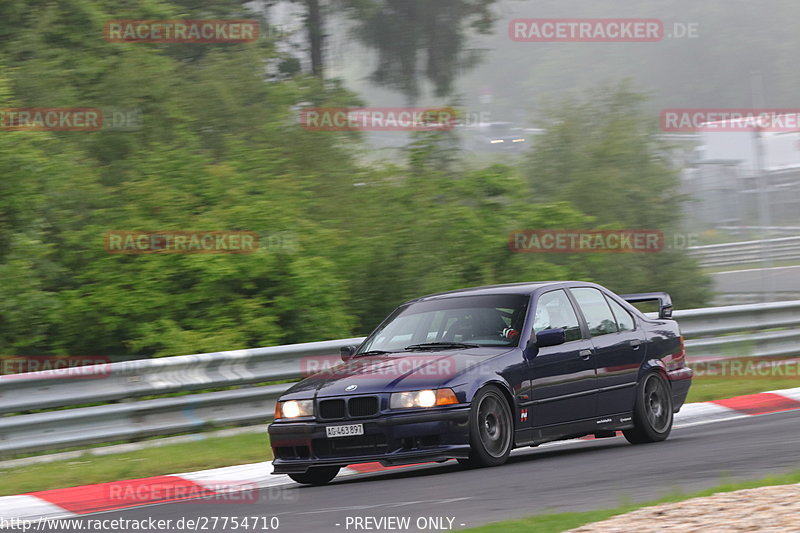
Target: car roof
[526, 287]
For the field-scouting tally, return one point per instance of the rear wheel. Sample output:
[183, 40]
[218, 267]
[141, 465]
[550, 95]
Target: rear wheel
[652, 414]
[319, 475]
[491, 429]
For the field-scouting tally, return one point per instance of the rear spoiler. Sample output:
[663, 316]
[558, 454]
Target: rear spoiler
[664, 301]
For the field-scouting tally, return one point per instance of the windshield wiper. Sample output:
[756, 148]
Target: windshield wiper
[440, 345]
[373, 352]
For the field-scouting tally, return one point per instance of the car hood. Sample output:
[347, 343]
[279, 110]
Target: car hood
[397, 371]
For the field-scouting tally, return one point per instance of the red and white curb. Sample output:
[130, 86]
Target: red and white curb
[75, 501]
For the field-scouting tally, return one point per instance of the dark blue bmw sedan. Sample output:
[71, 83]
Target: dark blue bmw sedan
[473, 373]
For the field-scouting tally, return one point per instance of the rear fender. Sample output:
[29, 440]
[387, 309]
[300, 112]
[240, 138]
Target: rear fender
[654, 365]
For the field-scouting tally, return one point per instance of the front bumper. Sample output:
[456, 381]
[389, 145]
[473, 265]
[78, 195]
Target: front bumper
[391, 439]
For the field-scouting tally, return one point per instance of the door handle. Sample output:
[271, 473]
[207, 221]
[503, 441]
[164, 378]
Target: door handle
[635, 344]
[585, 354]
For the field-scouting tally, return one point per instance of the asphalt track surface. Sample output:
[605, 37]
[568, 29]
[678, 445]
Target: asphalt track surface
[574, 476]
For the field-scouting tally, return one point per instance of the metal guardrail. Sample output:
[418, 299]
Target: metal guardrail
[136, 420]
[131, 379]
[737, 318]
[772, 231]
[763, 344]
[747, 252]
[745, 330]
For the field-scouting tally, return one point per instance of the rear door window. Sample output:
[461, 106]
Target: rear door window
[624, 319]
[595, 309]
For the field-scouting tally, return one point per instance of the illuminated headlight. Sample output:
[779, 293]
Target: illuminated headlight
[294, 409]
[422, 398]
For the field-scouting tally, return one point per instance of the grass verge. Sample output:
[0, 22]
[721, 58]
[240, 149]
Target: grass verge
[168, 459]
[706, 388]
[556, 523]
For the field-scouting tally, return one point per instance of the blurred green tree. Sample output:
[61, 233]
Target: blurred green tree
[220, 148]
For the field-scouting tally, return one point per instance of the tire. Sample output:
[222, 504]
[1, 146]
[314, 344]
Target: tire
[319, 475]
[652, 414]
[491, 429]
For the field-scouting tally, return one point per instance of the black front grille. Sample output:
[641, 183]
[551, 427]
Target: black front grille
[350, 446]
[331, 409]
[362, 406]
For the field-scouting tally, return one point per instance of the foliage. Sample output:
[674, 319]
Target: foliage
[220, 149]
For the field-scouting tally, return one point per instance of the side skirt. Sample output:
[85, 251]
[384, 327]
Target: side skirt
[572, 430]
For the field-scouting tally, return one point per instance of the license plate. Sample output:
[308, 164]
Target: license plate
[344, 431]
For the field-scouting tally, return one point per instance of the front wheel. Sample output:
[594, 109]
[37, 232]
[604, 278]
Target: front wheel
[491, 429]
[652, 414]
[319, 475]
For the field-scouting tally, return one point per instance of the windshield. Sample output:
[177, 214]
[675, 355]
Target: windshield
[490, 320]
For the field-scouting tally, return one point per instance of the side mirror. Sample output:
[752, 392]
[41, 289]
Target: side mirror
[347, 352]
[543, 339]
[551, 337]
[665, 311]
